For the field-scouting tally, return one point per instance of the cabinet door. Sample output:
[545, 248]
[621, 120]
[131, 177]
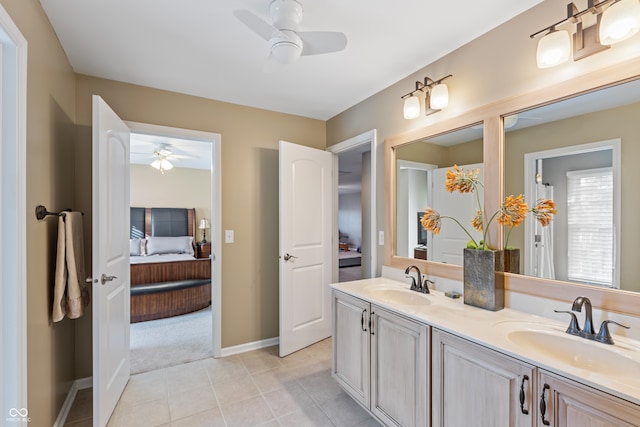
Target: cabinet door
[476, 386]
[351, 353]
[399, 369]
[570, 404]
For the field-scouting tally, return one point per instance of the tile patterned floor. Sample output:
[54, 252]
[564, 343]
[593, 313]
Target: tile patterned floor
[256, 388]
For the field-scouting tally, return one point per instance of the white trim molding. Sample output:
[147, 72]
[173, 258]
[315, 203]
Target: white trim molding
[13, 229]
[79, 384]
[216, 208]
[250, 346]
[366, 138]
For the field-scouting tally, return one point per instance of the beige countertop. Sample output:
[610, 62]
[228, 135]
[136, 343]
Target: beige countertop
[614, 369]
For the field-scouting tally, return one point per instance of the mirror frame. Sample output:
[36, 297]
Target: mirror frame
[625, 302]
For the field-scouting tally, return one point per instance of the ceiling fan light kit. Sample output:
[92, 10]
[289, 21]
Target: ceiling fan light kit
[286, 42]
[286, 51]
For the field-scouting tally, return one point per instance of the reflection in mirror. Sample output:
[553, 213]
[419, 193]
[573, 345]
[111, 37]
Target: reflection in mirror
[580, 152]
[420, 174]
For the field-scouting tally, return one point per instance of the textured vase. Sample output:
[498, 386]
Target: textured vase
[512, 261]
[484, 279]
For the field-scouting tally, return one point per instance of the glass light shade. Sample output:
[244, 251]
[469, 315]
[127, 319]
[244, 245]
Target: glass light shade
[162, 165]
[553, 49]
[411, 107]
[439, 97]
[620, 21]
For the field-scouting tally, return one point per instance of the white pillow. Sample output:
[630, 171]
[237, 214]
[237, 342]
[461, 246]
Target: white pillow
[136, 247]
[170, 245]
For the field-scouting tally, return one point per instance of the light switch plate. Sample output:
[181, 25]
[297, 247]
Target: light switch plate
[228, 236]
[381, 238]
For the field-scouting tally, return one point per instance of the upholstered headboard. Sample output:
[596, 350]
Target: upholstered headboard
[170, 222]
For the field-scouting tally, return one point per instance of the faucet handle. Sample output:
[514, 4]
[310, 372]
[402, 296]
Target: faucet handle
[425, 285]
[603, 335]
[574, 327]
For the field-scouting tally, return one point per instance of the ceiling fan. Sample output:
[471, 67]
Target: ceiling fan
[287, 42]
[162, 154]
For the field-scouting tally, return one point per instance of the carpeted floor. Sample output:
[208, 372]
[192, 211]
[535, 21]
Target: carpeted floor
[167, 342]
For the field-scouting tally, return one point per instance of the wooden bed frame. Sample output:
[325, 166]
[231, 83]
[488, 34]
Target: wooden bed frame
[168, 300]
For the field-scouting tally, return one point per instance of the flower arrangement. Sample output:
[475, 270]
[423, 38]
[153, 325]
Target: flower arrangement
[512, 211]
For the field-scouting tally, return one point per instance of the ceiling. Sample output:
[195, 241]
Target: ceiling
[199, 48]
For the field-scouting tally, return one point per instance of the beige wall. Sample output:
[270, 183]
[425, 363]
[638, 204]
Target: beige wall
[50, 181]
[176, 188]
[249, 190]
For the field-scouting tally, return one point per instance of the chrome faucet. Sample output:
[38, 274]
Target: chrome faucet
[587, 330]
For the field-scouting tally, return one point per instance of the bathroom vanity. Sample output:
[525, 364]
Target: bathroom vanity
[412, 359]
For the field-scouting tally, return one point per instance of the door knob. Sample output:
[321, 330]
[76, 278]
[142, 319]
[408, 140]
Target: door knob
[104, 278]
[287, 257]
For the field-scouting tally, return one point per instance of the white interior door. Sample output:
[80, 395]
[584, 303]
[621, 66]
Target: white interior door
[305, 246]
[110, 262]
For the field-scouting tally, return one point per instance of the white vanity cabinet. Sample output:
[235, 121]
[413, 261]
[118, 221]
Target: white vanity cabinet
[382, 360]
[351, 346]
[567, 403]
[477, 386]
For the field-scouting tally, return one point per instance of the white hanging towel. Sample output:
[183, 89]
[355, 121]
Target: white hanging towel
[70, 294]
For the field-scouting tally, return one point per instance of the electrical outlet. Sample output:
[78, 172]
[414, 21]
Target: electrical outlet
[228, 236]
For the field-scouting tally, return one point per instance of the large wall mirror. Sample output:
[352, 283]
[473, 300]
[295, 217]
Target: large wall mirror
[581, 153]
[420, 170]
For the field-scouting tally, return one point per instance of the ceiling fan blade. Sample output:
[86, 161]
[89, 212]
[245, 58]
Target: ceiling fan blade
[318, 42]
[257, 24]
[181, 157]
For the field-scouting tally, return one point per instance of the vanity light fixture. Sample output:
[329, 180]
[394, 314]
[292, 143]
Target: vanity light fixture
[616, 20]
[436, 98]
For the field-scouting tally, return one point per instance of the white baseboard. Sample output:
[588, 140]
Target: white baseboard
[256, 345]
[80, 384]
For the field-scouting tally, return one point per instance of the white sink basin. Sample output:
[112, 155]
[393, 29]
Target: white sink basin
[399, 296]
[546, 341]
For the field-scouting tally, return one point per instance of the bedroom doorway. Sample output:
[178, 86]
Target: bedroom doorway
[355, 207]
[181, 169]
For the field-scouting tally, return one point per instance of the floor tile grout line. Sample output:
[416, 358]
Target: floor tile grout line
[215, 396]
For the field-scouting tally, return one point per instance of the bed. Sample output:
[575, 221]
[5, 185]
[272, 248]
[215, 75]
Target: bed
[166, 278]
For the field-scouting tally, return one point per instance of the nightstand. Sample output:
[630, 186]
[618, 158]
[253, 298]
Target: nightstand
[203, 250]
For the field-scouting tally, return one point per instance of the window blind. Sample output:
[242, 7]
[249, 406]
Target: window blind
[590, 226]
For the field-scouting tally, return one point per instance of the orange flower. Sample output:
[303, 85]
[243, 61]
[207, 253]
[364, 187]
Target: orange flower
[513, 211]
[431, 221]
[543, 211]
[511, 214]
[461, 180]
[477, 221]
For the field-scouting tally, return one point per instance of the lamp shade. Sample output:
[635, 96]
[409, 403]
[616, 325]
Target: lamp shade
[204, 224]
[553, 49]
[439, 97]
[411, 107]
[620, 21]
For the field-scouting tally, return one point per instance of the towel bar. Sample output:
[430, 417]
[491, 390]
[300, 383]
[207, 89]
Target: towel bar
[42, 212]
